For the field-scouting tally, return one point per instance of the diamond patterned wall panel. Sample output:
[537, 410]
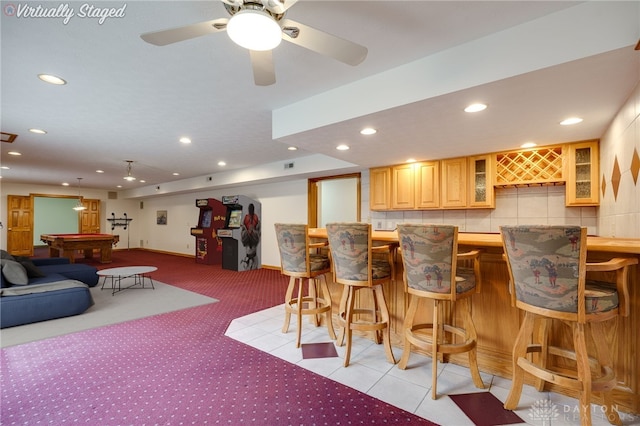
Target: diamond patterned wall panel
[615, 178]
[635, 166]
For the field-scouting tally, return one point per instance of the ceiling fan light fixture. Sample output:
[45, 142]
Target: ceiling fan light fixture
[254, 30]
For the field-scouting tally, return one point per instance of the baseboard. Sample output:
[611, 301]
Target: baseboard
[191, 256]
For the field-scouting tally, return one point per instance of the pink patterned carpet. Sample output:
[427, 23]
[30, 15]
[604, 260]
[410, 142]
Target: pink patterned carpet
[178, 368]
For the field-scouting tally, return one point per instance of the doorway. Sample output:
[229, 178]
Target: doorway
[334, 199]
[21, 215]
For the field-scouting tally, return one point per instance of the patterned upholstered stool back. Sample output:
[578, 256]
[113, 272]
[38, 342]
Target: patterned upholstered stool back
[547, 266]
[350, 245]
[428, 256]
[295, 258]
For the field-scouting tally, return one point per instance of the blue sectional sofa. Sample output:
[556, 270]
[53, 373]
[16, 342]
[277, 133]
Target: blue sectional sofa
[36, 290]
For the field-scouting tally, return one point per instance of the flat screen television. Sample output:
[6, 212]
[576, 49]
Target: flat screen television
[235, 219]
[206, 218]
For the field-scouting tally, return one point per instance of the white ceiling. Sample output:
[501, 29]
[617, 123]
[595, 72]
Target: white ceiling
[534, 63]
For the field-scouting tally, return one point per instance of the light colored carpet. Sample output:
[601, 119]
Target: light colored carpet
[109, 309]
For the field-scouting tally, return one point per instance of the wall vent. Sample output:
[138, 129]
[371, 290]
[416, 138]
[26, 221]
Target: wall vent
[112, 195]
[8, 137]
[288, 165]
[141, 205]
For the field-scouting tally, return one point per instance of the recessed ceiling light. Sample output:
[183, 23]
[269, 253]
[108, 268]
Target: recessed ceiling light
[175, 174]
[411, 160]
[292, 148]
[48, 78]
[143, 181]
[13, 153]
[475, 108]
[118, 186]
[4, 167]
[368, 131]
[571, 120]
[65, 183]
[221, 163]
[528, 145]
[99, 171]
[185, 140]
[38, 131]
[342, 147]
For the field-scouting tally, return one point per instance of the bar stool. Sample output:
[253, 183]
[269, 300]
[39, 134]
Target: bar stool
[547, 266]
[355, 267]
[431, 272]
[300, 263]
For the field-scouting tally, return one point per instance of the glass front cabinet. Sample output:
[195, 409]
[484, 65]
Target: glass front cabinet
[582, 174]
[481, 194]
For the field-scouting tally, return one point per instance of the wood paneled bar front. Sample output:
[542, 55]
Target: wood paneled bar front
[497, 322]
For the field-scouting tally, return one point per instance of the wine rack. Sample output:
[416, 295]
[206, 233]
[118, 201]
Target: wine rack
[530, 167]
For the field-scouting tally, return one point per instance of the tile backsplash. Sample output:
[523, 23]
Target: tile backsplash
[529, 205]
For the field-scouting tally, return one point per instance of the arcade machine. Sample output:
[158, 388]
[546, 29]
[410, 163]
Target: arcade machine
[241, 233]
[212, 217]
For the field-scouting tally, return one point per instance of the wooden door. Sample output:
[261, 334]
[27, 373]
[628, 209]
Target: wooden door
[20, 225]
[90, 217]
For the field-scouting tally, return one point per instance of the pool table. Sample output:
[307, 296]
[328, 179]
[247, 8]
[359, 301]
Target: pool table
[65, 245]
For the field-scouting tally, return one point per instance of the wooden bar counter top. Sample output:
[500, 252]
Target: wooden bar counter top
[498, 322]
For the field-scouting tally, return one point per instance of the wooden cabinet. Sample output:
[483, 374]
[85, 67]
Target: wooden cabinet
[582, 174]
[415, 186]
[468, 182]
[454, 183]
[481, 194]
[403, 187]
[380, 188]
[427, 181]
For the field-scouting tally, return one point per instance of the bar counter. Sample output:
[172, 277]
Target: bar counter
[497, 322]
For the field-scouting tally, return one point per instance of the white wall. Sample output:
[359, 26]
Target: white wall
[620, 216]
[281, 202]
[336, 201]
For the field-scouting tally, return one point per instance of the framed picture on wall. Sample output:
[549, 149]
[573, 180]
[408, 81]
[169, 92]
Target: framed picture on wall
[161, 217]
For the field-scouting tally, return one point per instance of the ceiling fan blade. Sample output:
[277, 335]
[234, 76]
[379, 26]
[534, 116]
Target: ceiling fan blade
[263, 71]
[324, 43]
[174, 35]
[279, 6]
[236, 3]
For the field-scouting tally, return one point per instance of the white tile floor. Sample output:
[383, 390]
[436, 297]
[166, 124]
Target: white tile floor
[410, 389]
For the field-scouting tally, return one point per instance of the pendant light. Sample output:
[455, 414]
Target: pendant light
[79, 206]
[129, 177]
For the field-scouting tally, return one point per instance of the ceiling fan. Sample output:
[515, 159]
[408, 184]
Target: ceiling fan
[259, 26]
